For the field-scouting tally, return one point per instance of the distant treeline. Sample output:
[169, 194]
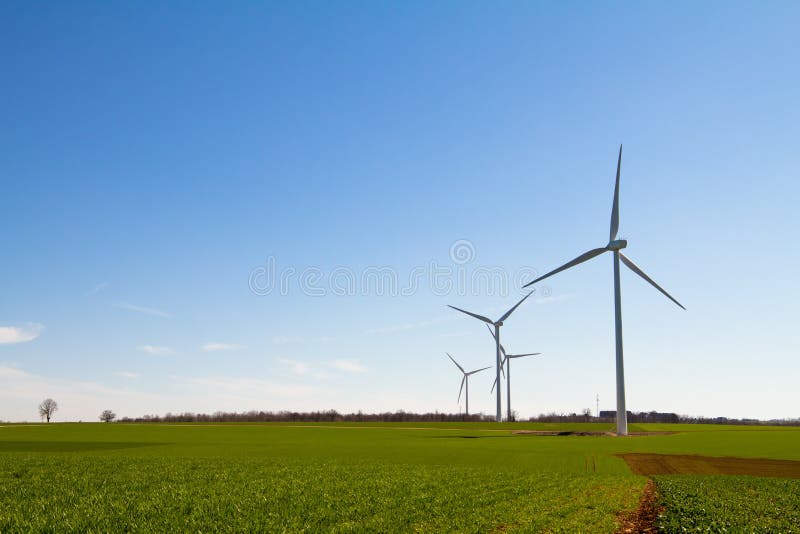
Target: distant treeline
[328, 416]
[332, 416]
[726, 421]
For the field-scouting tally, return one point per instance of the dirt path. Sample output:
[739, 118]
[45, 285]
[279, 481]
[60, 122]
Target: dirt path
[643, 519]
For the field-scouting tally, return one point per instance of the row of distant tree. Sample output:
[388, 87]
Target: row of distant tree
[332, 416]
[327, 416]
[48, 407]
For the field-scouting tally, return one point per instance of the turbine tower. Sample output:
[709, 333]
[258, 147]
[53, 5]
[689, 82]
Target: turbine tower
[464, 380]
[497, 324]
[507, 362]
[614, 245]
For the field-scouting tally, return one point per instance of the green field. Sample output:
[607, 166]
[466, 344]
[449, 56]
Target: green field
[729, 504]
[475, 477]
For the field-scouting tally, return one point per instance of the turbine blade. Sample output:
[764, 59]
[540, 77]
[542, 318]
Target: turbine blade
[493, 386]
[615, 208]
[523, 355]
[586, 256]
[502, 349]
[481, 317]
[509, 312]
[477, 371]
[632, 266]
[454, 361]
[461, 388]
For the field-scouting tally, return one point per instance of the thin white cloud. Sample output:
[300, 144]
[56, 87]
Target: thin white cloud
[97, 289]
[127, 374]
[156, 350]
[348, 366]
[6, 371]
[284, 340]
[449, 335]
[140, 309]
[390, 329]
[410, 326]
[248, 387]
[213, 347]
[10, 335]
[551, 299]
[296, 366]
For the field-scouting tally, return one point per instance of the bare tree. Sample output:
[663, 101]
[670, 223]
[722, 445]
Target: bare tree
[107, 416]
[47, 408]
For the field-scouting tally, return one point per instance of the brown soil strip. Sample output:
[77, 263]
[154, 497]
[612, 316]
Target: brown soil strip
[558, 433]
[583, 433]
[684, 464]
[643, 519]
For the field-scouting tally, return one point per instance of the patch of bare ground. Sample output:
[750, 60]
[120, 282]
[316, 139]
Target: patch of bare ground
[583, 433]
[689, 464]
[558, 433]
[643, 518]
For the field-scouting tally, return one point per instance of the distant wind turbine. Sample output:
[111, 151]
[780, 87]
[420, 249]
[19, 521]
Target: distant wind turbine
[497, 324]
[507, 362]
[614, 245]
[464, 380]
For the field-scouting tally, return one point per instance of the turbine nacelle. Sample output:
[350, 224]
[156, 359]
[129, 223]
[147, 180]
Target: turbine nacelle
[617, 244]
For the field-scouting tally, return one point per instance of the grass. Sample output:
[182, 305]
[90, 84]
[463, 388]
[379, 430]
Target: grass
[474, 477]
[240, 494]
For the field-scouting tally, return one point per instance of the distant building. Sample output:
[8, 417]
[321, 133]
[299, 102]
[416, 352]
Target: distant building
[643, 417]
[612, 414]
[656, 417]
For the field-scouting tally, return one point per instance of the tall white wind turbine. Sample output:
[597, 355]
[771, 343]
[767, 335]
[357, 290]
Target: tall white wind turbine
[507, 363]
[496, 324]
[464, 380]
[614, 245]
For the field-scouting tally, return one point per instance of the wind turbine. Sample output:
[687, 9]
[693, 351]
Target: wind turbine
[464, 380]
[497, 324]
[614, 245]
[507, 362]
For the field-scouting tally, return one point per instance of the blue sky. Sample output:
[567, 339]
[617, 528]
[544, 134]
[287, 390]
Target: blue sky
[156, 157]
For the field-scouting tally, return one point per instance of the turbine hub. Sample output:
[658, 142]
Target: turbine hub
[499, 323]
[617, 244]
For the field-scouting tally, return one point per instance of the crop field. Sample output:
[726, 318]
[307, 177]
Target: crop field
[373, 477]
[729, 504]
